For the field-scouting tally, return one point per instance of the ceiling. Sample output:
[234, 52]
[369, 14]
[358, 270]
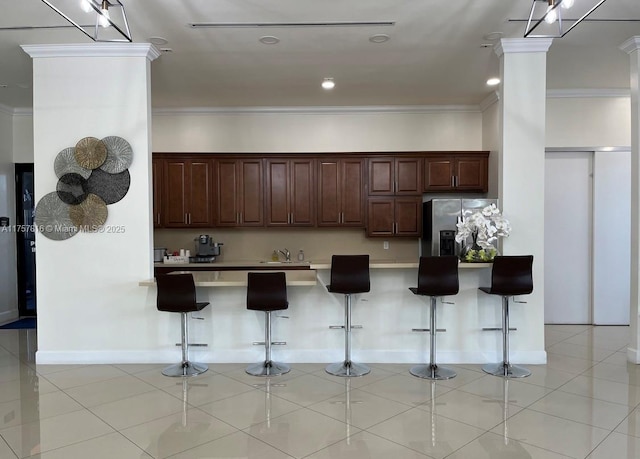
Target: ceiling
[439, 52]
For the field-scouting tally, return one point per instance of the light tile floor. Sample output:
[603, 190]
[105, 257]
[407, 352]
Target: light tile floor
[585, 403]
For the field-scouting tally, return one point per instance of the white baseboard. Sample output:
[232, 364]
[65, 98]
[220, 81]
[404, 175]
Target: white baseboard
[633, 356]
[289, 356]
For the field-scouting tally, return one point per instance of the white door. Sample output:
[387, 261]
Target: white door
[568, 223]
[611, 238]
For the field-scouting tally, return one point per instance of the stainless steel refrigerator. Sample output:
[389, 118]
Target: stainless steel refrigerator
[439, 218]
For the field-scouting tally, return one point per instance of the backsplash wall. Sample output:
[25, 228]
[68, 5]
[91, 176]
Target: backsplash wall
[255, 244]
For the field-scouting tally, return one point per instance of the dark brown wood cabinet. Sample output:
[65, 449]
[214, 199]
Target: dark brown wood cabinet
[157, 170]
[290, 192]
[395, 176]
[341, 192]
[239, 192]
[186, 198]
[394, 216]
[468, 173]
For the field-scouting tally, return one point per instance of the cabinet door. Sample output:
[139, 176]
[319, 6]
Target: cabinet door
[277, 194]
[250, 196]
[157, 172]
[408, 176]
[329, 192]
[471, 174]
[175, 193]
[408, 216]
[352, 200]
[381, 176]
[227, 174]
[438, 174]
[302, 195]
[199, 199]
[380, 216]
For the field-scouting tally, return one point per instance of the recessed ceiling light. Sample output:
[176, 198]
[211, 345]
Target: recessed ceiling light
[379, 38]
[493, 36]
[166, 50]
[158, 41]
[487, 45]
[493, 81]
[328, 83]
[23, 85]
[269, 40]
[4, 85]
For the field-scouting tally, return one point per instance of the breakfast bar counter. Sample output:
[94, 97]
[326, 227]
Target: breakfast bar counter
[387, 314]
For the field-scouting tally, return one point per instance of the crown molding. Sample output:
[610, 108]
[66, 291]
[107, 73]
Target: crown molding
[587, 93]
[522, 45]
[631, 45]
[330, 110]
[93, 50]
[6, 110]
[488, 101]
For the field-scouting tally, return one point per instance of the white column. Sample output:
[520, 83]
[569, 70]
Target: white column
[632, 47]
[88, 298]
[521, 172]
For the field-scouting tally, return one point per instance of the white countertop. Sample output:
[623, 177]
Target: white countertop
[300, 277]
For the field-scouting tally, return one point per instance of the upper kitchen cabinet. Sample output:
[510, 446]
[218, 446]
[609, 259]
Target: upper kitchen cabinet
[157, 172]
[457, 172]
[395, 176]
[390, 216]
[186, 199]
[289, 192]
[239, 192]
[341, 192]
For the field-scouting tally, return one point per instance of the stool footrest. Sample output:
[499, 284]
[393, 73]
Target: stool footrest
[194, 344]
[341, 327]
[428, 329]
[497, 328]
[273, 343]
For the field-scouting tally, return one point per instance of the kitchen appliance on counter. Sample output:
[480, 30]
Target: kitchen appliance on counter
[206, 249]
[158, 254]
[439, 218]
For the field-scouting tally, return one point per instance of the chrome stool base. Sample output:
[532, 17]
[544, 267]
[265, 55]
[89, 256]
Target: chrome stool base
[506, 370]
[185, 369]
[432, 372]
[268, 369]
[347, 369]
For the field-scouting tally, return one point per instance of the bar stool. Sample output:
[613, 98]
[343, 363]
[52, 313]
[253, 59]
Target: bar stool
[267, 292]
[177, 293]
[510, 276]
[349, 275]
[437, 277]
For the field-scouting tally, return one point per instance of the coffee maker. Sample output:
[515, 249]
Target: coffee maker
[206, 249]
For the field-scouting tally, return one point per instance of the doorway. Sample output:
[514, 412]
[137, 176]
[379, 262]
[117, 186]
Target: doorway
[25, 240]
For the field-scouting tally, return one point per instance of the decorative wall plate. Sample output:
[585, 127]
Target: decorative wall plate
[52, 218]
[119, 155]
[90, 152]
[110, 187]
[65, 163]
[71, 188]
[90, 214]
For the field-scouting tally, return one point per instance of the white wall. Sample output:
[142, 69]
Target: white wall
[491, 143]
[23, 137]
[8, 275]
[588, 122]
[305, 131]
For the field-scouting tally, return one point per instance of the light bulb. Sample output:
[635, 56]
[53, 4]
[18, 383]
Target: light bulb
[566, 4]
[328, 83]
[103, 19]
[551, 15]
[493, 81]
[85, 5]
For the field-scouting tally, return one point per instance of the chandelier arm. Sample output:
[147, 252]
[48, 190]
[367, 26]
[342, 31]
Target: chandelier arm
[75, 24]
[595, 7]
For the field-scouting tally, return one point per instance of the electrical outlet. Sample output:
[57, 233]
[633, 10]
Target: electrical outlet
[385, 245]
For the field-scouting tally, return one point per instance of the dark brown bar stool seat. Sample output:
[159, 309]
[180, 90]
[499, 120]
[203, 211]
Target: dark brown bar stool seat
[267, 291]
[510, 276]
[437, 277]
[177, 293]
[349, 276]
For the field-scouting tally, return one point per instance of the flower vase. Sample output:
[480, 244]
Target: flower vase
[474, 253]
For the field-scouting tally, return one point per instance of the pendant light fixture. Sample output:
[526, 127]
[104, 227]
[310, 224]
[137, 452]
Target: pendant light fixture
[108, 17]
[547, 15]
